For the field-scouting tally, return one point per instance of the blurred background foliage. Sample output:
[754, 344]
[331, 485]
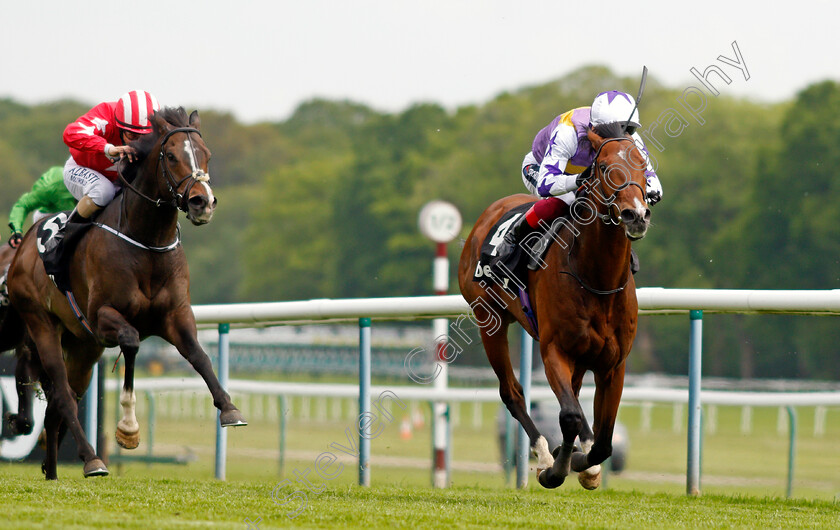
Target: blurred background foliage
[325, 204]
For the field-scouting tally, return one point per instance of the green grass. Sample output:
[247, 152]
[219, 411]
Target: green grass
[142, 500]
[743, 477]
[733, 463]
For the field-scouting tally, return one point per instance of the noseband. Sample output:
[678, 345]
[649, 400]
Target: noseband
[178, 200]
[609, 218]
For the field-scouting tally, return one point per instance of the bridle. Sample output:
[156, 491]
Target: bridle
[178, 200]
[609, 218]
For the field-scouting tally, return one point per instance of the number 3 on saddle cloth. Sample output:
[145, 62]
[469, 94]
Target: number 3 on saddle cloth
[55, 246]
[512, 275]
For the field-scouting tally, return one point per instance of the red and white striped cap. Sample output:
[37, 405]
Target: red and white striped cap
[133, 110]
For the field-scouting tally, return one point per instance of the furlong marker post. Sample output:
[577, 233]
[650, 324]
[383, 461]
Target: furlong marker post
[441, 409]
[440, 221]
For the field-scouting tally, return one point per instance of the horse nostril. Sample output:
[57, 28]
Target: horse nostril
[628, 216]
[216, 201]
[198, 201]
[647, 215]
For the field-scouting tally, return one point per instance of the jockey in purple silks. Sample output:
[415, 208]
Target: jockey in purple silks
[560, 156]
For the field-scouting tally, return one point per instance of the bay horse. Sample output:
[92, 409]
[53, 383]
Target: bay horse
[130, 280]
[584, 299]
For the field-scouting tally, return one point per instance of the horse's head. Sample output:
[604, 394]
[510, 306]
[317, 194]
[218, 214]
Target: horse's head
[183, 159]
[618, 183]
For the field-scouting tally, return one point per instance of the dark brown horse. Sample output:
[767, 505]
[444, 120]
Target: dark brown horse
[129, 276]
[26, 371]
[584, 300]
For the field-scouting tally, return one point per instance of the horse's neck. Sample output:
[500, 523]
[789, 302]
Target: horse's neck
[603, 255]
[142, 219]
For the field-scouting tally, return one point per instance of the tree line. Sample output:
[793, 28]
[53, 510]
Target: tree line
[325, 204]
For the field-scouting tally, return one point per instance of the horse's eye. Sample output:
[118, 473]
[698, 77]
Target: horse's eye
[170, 157]
[602, 167]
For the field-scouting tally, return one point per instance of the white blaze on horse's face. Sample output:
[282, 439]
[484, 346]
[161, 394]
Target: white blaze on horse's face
[200, 212]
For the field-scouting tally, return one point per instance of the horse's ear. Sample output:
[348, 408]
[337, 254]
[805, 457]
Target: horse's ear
[594, 139]
[160, 124]
[195, 121]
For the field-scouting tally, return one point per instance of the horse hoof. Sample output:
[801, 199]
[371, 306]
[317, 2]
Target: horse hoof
[232, 418]
[126, 440]
[95, 468]
[550, 482]
[16, 425]
[590, 480]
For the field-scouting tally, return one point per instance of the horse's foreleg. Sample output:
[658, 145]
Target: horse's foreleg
[496, 347]
[559, 373]
[52, 421]
[589, 478]
[608, 389]
[113, 327]
[181, 333]
[62, 399]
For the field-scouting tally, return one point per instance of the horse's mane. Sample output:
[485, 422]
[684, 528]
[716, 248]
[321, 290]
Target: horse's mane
[610, 130]
[176, 117]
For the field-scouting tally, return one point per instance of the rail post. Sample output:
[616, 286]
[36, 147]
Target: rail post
[523, 444]
[150, 443]
[695, 350]
[364, 401]
[791, 449]
[91, 400]
[224, 372]
[281, 410]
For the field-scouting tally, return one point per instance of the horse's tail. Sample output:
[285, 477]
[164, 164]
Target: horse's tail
[11, 328]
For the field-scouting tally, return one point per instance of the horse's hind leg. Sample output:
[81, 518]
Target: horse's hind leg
[496, 346]
[52, 421]
[26, 373]
[113, 327]
[62, 398]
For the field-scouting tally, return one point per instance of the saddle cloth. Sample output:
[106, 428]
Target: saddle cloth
[55, 246]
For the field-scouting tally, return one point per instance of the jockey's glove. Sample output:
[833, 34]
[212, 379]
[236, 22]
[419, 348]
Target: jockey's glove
[15, 239]
[654, 190]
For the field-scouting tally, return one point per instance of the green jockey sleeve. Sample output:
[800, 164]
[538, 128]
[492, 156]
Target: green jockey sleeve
[48, 194]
